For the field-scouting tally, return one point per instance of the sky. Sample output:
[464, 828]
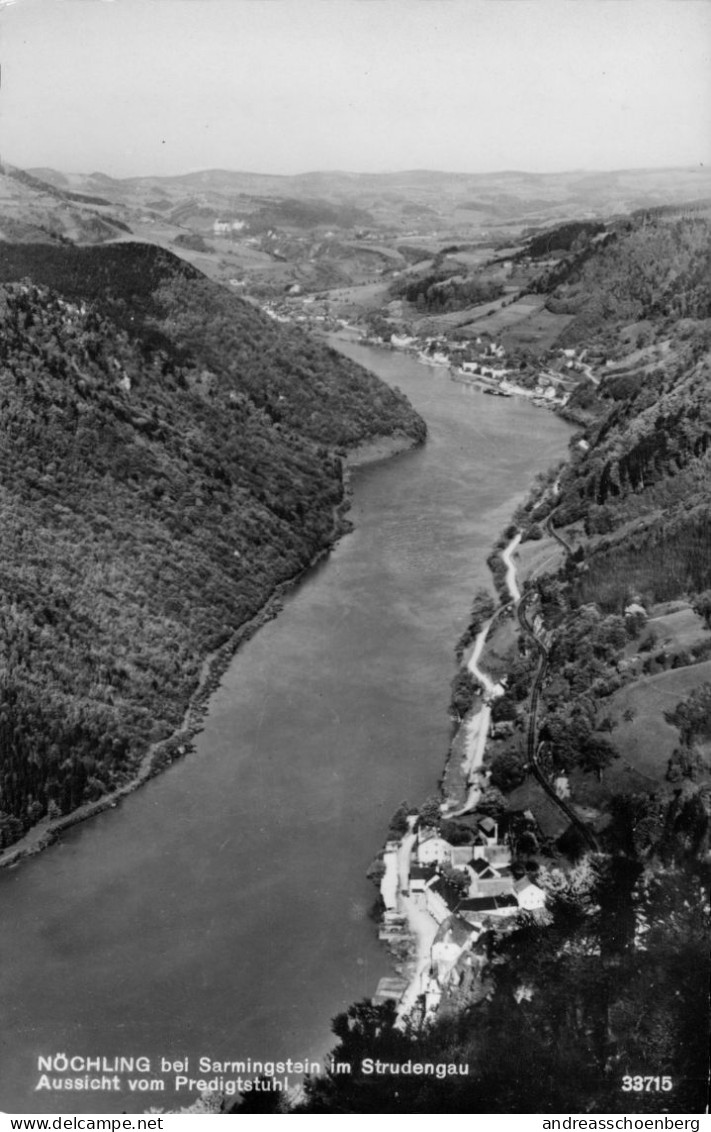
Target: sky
[140, 87]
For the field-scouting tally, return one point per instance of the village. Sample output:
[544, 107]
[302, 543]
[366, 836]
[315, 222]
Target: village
[446, 897]
[481, 361]
[452, 877]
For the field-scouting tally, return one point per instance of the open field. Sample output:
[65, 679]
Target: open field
[471, 321]
[347, 301]
[539, 556]
[498, 318]
[671, 633]
[472, 257]
[496, 655]
[538, 331]
[520, 323]
[681, 629]
[620, 778]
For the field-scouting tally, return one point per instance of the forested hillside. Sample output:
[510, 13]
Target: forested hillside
[565, 1012]
[648, 267]
[444, 289]
[640, 479]
[159, 479]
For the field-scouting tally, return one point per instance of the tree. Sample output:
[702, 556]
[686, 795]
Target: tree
[463, 692]
[431, 811]
[686, 762]
[527, 843]
[503, 708]
[596, 754]
[259, 1097]
[491, 804]
[398, 822]
[702, 605]
[508, 770]
[454, 832]
[459, 879]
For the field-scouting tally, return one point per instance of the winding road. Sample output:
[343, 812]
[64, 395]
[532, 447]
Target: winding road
[421, 925]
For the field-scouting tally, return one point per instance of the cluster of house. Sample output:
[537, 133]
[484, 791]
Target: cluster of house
[227, 227]
[485, 866]
[442, 352]
[464, 890]
[489, 364]
[493, 895]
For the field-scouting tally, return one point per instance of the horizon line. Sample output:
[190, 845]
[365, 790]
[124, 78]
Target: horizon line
[413, 171]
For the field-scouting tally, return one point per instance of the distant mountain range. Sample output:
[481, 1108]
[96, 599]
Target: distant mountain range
[268, 233]
[499, 196]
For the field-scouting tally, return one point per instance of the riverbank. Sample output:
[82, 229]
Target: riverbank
[464, 778]
[322, 722]
[382, 448]
[489, 374]
[165, 752]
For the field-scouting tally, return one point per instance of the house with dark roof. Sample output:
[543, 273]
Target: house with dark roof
[473, 908]
[489, 829]
[492, 886]
[435, 900]
[419, 876]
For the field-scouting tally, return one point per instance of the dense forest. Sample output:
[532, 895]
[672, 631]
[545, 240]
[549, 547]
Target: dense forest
[562, 238]
[169, 456]
[645, 268]
[639, 481]
[443, 289]
[564, 1013]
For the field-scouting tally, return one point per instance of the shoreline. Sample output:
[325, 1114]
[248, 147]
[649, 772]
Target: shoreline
[479, 381]
[467, 748]
[162, 754]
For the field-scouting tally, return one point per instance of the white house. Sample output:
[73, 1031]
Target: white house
[497, 855]
[529, 895]
[434, 851]
[445, 953]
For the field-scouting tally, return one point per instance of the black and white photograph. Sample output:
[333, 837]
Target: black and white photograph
[355, 559]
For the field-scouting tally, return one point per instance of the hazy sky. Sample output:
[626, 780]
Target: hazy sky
[284, 86]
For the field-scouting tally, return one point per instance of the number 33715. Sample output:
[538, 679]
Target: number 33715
[647, 1084]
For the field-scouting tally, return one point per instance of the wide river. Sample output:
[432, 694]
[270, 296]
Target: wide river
[223, 910]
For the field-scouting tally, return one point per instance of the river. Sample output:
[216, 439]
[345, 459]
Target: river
[223, 909]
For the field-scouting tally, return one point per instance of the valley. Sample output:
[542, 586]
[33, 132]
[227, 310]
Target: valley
[186, 421]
